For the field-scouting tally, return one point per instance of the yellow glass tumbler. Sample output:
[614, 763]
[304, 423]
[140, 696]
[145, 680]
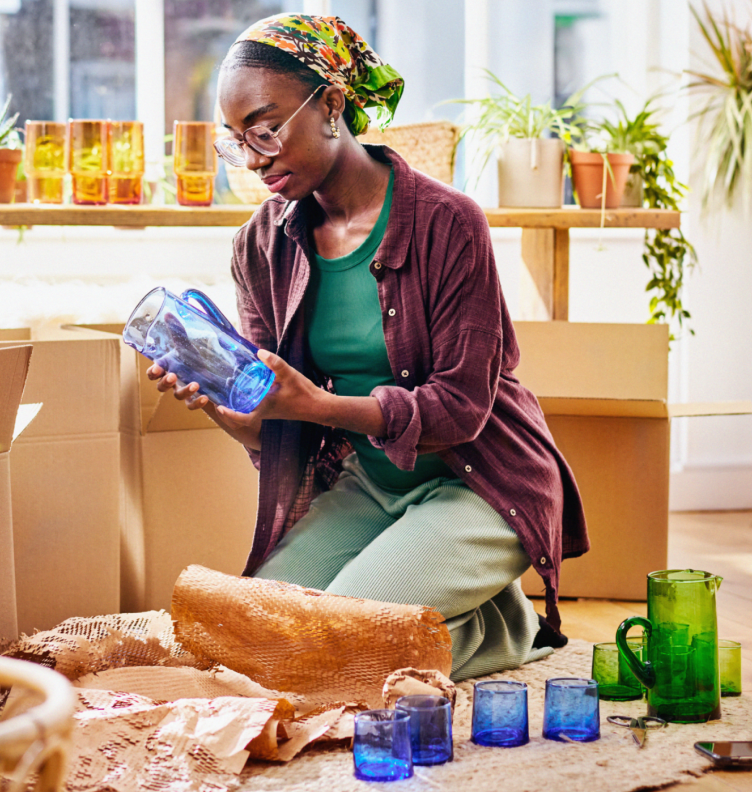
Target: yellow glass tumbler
[195, 162]
[126, 152]
[45, 161]
[88, 160]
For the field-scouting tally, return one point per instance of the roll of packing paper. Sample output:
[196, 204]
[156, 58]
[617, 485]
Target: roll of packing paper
[304, 641]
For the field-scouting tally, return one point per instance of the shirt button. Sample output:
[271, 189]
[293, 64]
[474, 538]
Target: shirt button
[377, 265]
[405, 373]
[391, 312]
[543, 560]
[468, 469]
[513, 512]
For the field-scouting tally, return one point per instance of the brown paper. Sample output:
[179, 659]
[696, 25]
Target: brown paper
[289, 638]
[123, 741]
[411, 682]
[81, 646]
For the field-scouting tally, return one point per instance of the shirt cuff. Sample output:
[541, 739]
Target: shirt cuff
[403, 425]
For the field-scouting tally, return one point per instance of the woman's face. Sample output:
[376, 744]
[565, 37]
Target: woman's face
[250, 97]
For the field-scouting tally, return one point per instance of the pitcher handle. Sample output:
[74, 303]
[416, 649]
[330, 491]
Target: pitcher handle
[208, 306]
[643, 671]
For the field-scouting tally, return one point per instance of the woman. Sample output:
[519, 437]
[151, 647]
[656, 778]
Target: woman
[400, 460]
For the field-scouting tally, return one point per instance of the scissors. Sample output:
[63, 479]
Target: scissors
[638, 726]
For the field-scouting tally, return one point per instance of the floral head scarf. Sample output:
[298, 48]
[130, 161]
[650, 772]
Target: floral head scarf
[339, 55]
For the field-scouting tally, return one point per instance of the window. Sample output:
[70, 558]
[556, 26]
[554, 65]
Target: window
[197, 36]
[62, 58]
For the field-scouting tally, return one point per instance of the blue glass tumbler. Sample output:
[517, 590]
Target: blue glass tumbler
[381, 745]
[500, 714]
[199, 345]
[430, 728]
[571, 710]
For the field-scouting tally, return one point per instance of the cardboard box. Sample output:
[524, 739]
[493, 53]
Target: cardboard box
[190, 492]
[14, 418]
[604, 391]
[65, 471]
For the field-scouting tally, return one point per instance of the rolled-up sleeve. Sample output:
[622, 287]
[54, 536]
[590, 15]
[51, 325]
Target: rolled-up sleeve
[454, 403]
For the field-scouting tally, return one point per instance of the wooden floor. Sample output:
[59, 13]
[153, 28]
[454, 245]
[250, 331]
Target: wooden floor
[718, 542]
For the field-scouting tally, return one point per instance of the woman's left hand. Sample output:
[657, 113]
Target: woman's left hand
[292, 397]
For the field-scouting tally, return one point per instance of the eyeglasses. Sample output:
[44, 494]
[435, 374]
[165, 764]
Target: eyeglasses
[259, 138]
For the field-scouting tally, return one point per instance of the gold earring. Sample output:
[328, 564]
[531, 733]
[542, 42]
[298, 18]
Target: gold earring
[335, 128]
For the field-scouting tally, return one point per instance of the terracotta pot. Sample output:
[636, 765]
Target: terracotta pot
[9, 160]
[531, 172]
[587, 175]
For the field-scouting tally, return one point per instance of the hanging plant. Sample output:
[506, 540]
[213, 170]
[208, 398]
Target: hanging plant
[725, 139]
[668, 255]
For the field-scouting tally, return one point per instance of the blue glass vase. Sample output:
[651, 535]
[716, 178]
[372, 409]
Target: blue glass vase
[198, 344]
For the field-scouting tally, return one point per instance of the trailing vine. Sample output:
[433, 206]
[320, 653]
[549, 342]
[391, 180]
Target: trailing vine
[668, 254]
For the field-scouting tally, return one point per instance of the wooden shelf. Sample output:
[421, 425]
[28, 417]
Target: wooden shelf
[124, 216]
[574, 217]
[235, 215]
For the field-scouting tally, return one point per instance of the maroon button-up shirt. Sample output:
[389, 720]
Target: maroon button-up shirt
[452, 349]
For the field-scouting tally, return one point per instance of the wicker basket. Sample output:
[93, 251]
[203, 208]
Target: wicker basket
[246, 185]
[427, 147]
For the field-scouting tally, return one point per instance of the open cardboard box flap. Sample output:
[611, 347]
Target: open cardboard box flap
[604, 370]
[586, 362]
[14, 417]
[61, 363]
[692, 409]
[143, 408]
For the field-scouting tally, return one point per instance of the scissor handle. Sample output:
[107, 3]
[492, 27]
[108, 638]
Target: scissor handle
[621, 720]
[649, 722]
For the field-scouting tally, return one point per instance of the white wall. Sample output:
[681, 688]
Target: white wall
[717, 469]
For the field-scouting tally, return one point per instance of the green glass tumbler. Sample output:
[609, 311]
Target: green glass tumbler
[730, 657]
[680, 664]
[616, 682]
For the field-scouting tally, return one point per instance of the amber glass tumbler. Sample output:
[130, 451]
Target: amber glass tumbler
[126, 152]
[88, 160]
[195, 162]
[45, 161]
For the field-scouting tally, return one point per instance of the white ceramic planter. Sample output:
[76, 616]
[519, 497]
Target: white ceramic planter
[531, 173]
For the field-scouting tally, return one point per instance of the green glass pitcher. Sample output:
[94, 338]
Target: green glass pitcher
[681, 671]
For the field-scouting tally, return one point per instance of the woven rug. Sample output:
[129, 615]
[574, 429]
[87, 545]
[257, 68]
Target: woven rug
[613, 763]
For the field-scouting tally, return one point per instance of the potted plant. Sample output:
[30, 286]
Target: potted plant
[600, 167]
[10, 153]
[725, 138]
[641, 137]
[529, 141]
[667, 253]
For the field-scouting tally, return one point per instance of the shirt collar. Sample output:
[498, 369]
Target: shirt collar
[392, 251]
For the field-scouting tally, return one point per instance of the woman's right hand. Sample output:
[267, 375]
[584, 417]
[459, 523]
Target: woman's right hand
[248, 434]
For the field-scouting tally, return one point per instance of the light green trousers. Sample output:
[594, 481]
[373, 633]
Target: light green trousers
[439, 545]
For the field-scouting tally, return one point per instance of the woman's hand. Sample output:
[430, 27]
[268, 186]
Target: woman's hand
[187, 393]
[292, 397]
[248, 435]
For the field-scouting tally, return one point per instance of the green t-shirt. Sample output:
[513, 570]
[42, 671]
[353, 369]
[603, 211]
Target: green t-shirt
[346, 342]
